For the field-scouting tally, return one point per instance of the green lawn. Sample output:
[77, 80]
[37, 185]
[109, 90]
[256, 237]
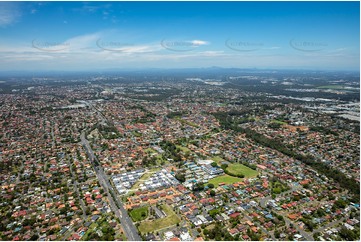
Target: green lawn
[278, 187]
[182, 148]
[217, 159]
[90, 230]
[183, 121]
[160, 160]
[332, 87]
[136, 214]
[169, 220]
[150, 151]
[237, 168]
[144, 177]
[227, 179]
[137, 133]
[277, 122]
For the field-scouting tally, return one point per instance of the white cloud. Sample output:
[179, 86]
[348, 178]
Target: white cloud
[272, 48]
[199, 42]
[124, 50]
[83, 42]
[9, 13]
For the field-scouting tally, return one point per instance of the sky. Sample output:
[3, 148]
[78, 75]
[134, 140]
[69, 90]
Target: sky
[81, 36]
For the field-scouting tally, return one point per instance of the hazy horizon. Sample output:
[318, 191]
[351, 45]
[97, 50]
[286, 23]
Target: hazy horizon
[88, 36]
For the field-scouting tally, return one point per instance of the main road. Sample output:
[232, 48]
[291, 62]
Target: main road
[116, 205]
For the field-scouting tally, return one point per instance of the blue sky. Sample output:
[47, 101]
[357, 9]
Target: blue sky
[104, 35]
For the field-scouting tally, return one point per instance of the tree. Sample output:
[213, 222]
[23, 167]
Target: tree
[212, 193]
[213, 212]
[224, 167]
[316, 235]
[210, 185]
[34, 237]
[198, 186]
[63, 210]
[340, 203]
[277, 234]
[347, 234]
[180, 177]
[240, 175]
[214, 164]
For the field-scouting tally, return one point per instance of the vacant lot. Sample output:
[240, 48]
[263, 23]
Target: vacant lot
[170, 219]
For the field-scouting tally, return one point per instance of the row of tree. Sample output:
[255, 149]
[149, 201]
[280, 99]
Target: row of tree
[348, 183]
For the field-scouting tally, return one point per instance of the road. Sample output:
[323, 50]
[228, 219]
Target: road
[263, 201]
[333, 223]
[75, 183]
[104, 120]
[302, 232]
[115, 204]
[52, 135]
[258, 225]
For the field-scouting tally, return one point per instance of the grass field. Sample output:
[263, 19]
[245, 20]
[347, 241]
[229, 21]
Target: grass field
[277, 122]
[145, 176]
[182, 148]
[137, 134]
[169, 220]
[136, 214]
[227, 179]
[186, 122]
[217, 159]
[150, 151]
[161, 160]
[237, 168]
[332, 87]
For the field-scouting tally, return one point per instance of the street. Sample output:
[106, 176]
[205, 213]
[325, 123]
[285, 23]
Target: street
[129, 229]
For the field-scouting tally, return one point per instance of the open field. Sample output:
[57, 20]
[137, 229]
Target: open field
[227, 179]
[136, 214]
[217, 159]
[150, 151]
[145, 177]
[169, 220]
[331, 87]
[277, 122]
[182, 148]
[186, 122]
[237, 168]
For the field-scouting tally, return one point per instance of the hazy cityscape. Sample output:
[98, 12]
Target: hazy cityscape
[152, 157]
[106, 138]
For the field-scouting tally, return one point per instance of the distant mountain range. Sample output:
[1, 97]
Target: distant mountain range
[161, 71]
